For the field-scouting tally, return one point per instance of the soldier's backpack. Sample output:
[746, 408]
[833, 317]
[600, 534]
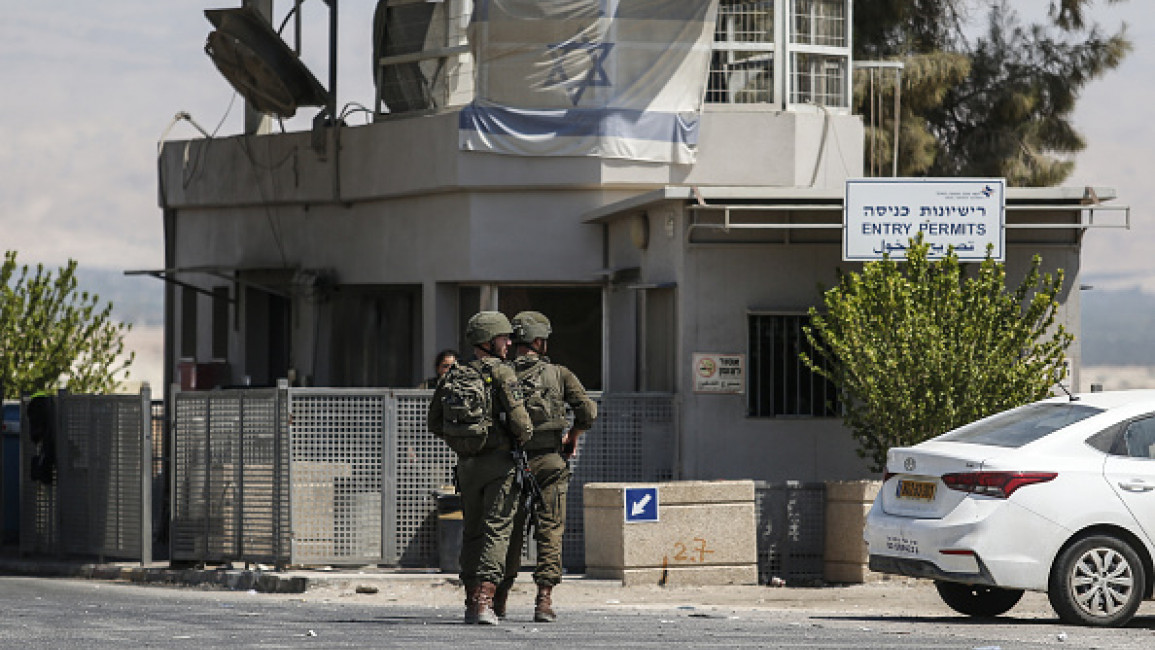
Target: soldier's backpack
[466, 399]
[540, 386]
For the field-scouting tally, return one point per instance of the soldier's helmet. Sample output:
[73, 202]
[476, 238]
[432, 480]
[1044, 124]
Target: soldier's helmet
[484, 326]
[530, 325]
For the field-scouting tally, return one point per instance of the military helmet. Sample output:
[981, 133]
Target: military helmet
[484, 326]
[530, 325]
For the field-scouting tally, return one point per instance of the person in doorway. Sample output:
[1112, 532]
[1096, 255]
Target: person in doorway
[477, 409]
[547, 389]
[441, 364]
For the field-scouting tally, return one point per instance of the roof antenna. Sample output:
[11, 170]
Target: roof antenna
[1071, 397]
[1062, 372]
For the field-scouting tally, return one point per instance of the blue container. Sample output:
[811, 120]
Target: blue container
[10, 474]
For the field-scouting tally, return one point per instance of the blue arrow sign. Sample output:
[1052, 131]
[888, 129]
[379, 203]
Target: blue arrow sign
[641, 504]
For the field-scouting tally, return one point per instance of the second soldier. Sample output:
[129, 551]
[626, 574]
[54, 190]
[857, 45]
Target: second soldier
[546, 389]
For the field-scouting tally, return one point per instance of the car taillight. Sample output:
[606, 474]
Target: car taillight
[994, 484]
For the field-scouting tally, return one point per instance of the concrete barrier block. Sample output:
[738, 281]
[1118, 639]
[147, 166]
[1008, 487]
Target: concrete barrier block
[845, 553]
[844, 526]
[856, 491]
[690, 576]
[705, 534]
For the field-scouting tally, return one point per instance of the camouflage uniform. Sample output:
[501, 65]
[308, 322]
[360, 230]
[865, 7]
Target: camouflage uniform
[486, 481]
[550, 469]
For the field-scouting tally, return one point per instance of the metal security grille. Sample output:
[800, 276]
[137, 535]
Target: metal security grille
[230, 493]
[351, 475]
[190, 499]
[335, 455]
[819, 79]
[791, 533]
[39, 530]
[419, 466]
[742, 64]
[632, 440]
[780, 383]
[99, 503]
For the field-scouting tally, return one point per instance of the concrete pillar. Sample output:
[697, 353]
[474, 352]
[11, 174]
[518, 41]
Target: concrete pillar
[847, 504]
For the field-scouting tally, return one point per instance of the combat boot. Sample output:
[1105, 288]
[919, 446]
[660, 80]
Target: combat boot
[471, 604]
[500, 599]
[483, 605]
[543, 605]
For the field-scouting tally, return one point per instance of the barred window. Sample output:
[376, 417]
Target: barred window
[752, 64]
[819, 52]
[742, 65]
[780, 384]
[819, 22]
[818, 79]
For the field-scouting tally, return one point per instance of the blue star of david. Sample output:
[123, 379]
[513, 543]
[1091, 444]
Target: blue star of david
[595, 76]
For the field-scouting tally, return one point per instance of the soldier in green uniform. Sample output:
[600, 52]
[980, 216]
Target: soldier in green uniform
[546, 388]
[485, 467]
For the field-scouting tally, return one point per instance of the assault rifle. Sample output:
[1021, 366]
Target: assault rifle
[531, 496]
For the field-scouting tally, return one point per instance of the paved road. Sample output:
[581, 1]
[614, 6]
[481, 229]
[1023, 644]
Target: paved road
[80, 614]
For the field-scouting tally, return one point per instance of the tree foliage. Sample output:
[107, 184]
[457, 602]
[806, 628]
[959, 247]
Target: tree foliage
[920, 347]
[992, 102]
[52, 335]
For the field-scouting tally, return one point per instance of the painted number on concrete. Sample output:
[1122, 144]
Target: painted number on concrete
[695, 551]
[641, 504]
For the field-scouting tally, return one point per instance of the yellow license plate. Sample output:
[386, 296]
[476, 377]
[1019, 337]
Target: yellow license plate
[916, 490]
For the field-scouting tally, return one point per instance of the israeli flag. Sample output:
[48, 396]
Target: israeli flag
[608, 78]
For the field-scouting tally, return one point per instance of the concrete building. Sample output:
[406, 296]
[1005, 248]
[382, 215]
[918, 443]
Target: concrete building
[348, 256]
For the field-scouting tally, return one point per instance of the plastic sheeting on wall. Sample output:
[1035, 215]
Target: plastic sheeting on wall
[609, 78]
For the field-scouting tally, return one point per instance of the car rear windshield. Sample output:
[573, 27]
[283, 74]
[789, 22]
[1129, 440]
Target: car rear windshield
[1020, 426]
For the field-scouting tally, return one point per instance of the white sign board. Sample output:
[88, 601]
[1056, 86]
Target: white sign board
[882, 215]
[719, 373]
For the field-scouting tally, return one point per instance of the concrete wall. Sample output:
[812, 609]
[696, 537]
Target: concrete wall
[418, 156]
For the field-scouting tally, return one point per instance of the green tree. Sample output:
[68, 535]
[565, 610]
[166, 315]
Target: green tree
[53, 335]
[993, 102]
[917, 348]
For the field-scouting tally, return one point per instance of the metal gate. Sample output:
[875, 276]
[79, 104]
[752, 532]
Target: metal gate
[99, 502]
[319, 476]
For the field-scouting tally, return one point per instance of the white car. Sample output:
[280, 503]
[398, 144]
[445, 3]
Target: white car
[1055, 496]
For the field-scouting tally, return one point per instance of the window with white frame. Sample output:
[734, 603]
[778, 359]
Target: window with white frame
[779, 383]
[785, 52]
[742, 64]
[819, 52]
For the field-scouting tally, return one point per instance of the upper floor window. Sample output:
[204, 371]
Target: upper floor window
[819, 52]
[742, 65]
[787, 52]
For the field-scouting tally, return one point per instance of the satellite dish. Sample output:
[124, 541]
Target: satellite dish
[259, 65]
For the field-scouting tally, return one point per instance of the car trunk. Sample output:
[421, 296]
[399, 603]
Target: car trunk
[915, 488]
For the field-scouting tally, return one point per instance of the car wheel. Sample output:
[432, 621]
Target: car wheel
[1097, 581]
[980, 601]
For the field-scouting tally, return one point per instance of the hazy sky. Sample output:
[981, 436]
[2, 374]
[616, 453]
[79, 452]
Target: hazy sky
[89, 87]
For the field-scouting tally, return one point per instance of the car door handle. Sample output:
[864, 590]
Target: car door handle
[1136, 485]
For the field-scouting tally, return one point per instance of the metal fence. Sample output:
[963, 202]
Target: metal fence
[99, 502]
[230, 489]
[316, 476]
[791, 537]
